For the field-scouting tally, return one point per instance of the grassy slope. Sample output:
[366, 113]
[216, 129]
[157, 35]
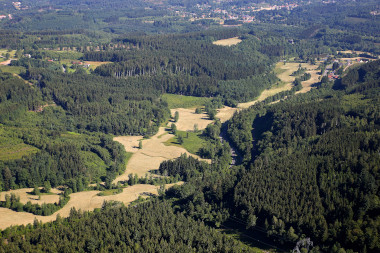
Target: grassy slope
[192, 144]
[179, 101]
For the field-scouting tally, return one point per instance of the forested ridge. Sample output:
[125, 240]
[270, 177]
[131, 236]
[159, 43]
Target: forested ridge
[149, 227]
[189, 64]
[312, 164]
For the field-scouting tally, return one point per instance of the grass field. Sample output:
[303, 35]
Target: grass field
[179, 101]
[11, 53]
[228, 42]
[95, 64]
[25, 196]
[153, 152]
[355, 20]
[86, 201]
[130, 143]
[64, 54]
[13, 69]
[187, 119]
[193, 143]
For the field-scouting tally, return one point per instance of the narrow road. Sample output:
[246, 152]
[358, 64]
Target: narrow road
[235, 155]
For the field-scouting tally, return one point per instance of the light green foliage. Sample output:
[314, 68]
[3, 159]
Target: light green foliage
[13, 69]
[12, 147]
[180, 101]
[191, 141]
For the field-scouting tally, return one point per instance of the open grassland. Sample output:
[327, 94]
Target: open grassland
[355, 20]
[25, 196]
[85, 201]
[187, 119]
[308, 84]
[95, 64]
[227, 42]
[130, 143]
[57, 54]
[153, 152]
[284, 73]
[192, 142]
[5, 51]
[180, 101]
[12, 69]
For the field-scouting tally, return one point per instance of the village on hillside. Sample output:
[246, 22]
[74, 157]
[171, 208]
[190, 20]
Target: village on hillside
[232, 14]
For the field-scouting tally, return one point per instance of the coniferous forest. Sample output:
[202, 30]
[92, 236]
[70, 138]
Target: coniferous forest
[296, 171]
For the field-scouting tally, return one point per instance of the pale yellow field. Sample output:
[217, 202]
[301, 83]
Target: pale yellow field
[94, 64]
[284, 73]
[187, 119]
[227, 42]
[131, 143]
[354, 52]
[307, 85]
[25, 197]
[153, 152]
[86, 201]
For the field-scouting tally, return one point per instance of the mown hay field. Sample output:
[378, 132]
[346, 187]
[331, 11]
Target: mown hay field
[228, 42]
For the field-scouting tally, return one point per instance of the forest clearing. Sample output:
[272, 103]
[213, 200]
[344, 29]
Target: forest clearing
[26, 195]
[228, 42]
[284, 73]
[153, 152]
[86, 201]
[188, 117]
[95, 64]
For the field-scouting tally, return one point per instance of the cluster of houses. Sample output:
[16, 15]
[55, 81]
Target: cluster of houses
[332, 74]
[18, 6]
[6, 16]
[80, 63]
[242, 14]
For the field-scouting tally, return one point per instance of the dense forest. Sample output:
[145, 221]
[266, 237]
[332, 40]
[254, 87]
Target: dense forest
[312, 164]
[150, 227]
